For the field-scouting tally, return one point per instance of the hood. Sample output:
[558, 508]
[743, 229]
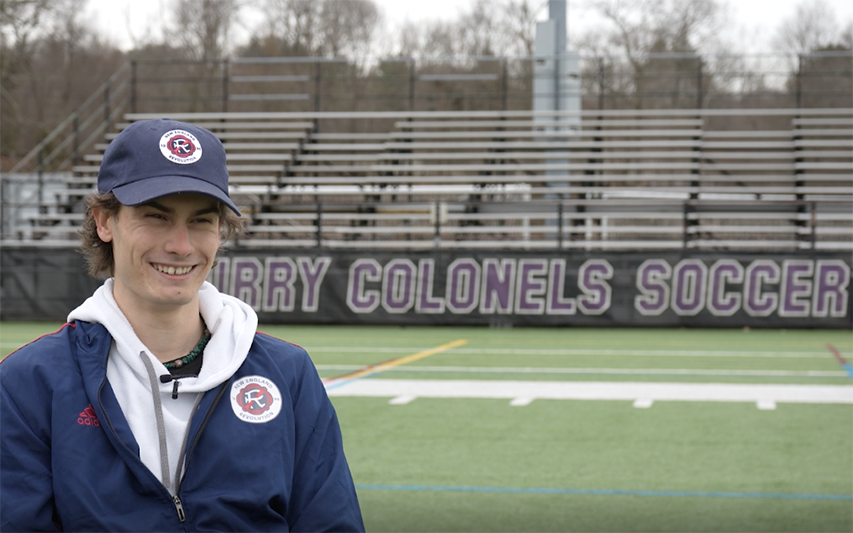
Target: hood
[232, 324]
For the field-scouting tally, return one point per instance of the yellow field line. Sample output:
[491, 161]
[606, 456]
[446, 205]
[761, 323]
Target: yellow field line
[382, 367]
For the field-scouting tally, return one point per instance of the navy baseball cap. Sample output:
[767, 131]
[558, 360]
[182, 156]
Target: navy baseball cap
[156, 158]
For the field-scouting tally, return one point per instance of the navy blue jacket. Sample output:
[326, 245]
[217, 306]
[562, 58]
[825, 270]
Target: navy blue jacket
[70, 462]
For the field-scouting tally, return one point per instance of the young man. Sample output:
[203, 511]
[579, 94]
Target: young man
[158, 407]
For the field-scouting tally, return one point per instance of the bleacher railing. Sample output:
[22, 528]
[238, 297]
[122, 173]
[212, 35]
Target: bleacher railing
[763, 179]
[453, 146]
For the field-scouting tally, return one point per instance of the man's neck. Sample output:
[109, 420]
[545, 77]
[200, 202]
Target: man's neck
[168, 334]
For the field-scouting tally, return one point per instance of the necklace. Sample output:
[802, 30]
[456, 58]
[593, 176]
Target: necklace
[190, 357]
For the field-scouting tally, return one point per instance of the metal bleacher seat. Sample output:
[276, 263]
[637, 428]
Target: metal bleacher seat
[603, 180]
[259, 146]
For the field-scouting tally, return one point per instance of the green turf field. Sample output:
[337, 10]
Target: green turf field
[463, 464]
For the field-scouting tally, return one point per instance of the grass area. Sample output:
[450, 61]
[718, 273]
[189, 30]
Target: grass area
[736, 356]
[581, 447]
[13, 335]
[461, 512]
[566, 465]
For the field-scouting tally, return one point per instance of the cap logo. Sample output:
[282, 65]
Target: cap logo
[255, 399]
[180, 146]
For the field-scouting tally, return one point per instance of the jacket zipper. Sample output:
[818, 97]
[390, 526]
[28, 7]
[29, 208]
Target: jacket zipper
[180, 508]
[213, 405]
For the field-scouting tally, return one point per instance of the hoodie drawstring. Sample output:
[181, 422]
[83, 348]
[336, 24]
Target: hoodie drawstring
[158, 415]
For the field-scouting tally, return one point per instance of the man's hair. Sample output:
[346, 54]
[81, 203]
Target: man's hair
[99, 254]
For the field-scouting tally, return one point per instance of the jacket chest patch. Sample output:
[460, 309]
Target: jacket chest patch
[255, 399]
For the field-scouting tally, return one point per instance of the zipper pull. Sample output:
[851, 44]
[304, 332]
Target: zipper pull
[167, 378]
[180, 508]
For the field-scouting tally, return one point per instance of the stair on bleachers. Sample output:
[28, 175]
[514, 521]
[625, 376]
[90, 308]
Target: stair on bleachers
[603, 180]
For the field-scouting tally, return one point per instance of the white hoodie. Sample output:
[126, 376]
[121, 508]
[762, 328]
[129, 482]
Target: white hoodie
[158, 422]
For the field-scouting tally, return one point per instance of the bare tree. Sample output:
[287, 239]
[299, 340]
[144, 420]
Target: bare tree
[478, 33]
[519, 25]
[347, 27]
[329, 28]
[488, 27]
[204, 29]
[428, 40]
[820, 72]
[295, 24]
[642, 32]
[645, 26]
[811, 27]
[205, 26]
[73, 56]
[847, 35]
[20, 22]
[20, 18]
[410, 40]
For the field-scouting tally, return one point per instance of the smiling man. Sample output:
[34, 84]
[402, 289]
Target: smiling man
[159, 407]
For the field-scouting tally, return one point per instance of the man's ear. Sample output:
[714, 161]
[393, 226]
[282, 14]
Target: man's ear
[102, 218]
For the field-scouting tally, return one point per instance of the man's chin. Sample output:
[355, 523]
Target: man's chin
[173, 299]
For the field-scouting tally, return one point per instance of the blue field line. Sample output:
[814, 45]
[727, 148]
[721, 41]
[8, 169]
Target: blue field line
[841, 360]
[341, 383]
[603, 492]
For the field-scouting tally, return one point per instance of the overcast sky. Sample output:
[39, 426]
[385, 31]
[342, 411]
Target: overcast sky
[753, 21]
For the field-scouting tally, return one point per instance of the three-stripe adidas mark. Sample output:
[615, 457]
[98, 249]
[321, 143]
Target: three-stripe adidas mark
[88, 417]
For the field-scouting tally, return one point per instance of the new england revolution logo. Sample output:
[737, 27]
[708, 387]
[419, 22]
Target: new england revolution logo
[179, 146]
[255, 399]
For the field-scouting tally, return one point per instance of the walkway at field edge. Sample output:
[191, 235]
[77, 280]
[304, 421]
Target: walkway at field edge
[643, 395]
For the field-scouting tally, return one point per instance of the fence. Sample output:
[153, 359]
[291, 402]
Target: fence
[305, 84]
[490, 83]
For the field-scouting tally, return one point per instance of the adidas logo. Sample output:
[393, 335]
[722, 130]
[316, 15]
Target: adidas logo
[88, 417]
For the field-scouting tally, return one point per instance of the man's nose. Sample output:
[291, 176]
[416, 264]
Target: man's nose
[178, 241]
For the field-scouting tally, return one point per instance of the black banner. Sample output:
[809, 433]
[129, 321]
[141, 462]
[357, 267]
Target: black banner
[42, 284]
[542, 288]
[488, 287]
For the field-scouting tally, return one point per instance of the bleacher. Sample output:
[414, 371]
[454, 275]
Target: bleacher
[766, 179]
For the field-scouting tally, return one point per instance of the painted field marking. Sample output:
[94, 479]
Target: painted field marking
[599, 390]
[766, 405]
[844, 364]
[643, 403]
[606, 492]
[402, 400]
[521, 402]
[588, 351]
[614, 371]
[335, 382]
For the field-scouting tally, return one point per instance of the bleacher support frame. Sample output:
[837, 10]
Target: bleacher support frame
[623, 179]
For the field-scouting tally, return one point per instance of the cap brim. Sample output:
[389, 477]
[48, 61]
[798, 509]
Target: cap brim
[145, 190]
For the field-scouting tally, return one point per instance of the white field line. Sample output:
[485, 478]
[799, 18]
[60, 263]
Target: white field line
[610, 371]
[818, 354]
[764, 395]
